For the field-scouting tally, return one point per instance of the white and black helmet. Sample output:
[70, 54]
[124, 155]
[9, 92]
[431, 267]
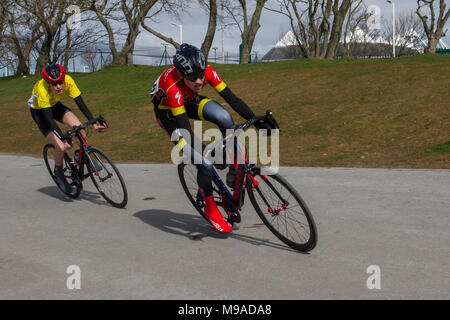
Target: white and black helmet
[190, 62]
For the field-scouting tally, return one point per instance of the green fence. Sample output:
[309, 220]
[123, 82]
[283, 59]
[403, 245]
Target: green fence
[443, 51]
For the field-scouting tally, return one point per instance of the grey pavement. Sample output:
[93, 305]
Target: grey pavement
[158, 247]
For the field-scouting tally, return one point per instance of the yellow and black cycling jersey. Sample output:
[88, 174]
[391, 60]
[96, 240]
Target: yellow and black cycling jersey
[43, 96]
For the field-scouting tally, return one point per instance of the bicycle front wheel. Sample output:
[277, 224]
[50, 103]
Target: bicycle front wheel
[106, 177]
[283, 211]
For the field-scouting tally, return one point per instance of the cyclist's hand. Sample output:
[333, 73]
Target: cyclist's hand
[100, 128]
[263, 125]
[67, 146]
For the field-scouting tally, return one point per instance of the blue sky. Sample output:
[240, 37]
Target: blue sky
[272, 27]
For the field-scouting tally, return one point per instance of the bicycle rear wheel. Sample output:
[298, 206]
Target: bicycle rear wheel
[283, 211]
[70, 171]
[106, 177]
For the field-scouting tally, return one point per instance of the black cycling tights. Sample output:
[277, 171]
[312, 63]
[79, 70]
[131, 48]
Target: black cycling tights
[213, 112]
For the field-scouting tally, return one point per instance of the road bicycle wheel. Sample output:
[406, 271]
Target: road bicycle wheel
[188, 178]
[70, 171]
[106, 177]
[283, 211]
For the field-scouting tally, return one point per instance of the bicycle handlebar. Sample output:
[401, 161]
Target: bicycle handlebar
[267, 118]
[75, 129]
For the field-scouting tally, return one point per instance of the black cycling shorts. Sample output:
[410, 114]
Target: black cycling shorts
[42, 117]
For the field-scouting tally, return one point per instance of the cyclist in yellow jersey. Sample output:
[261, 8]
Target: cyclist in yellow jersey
[45, 108]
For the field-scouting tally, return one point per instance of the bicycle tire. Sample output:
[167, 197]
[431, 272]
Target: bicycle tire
[193, 188]
[286, 218]
[68, 172]
[105, 174]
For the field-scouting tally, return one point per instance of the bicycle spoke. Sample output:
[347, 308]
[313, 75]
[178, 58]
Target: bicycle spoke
[280, 210]
[106, 178]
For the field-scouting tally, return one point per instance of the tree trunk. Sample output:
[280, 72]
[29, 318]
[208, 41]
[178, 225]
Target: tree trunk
[336, 31]
[207, 43]
[249, 34]
[44, 56]
[432, 44]
[325, 27]
[433, 29]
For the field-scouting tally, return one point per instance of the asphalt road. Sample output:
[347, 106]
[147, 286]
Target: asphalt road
[160, 248]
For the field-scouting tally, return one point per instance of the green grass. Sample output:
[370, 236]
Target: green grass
[395, 112]
[441, 148]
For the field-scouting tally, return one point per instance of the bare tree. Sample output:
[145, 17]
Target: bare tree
[52, 15]
[409, 33]
[91, 58]
[361, 36]
[248, 25]
[339, 12]
[21, 33]
[133, 13]
[434, 28]
[317, 24]
[212, 23]
[356, 16]
[174, 8]
[2, 22]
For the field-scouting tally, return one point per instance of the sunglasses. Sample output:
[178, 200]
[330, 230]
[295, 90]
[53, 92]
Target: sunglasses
[193, 77]
[55, 83]
[58, 83]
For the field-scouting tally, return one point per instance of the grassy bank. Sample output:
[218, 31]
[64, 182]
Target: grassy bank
[346, 113]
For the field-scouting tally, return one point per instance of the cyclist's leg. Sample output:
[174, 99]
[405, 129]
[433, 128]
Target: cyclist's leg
[44, 119]
[204, 176]
[204, 166]
[204, 172]
[212, 111]
[59, 148]
[65, 115]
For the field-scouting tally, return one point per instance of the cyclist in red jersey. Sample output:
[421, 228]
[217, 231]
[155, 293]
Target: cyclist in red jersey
[175, 98]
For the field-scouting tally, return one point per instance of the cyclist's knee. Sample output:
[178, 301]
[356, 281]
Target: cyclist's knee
[60, 147]
[226, 121]
[214, 112]
[205, 168]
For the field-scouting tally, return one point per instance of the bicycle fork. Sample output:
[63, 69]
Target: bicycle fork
[270, 210]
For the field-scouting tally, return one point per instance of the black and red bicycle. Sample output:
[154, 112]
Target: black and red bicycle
[276, 202]
[91, 162]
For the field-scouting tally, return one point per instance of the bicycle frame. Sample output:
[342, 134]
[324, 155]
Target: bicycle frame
[233, 201]
[78, 168]
[245, 171]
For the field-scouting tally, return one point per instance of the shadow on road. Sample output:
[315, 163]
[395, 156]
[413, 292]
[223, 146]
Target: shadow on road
[196, 228]
[54, 192]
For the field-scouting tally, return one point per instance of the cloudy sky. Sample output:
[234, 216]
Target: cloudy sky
[273, 26]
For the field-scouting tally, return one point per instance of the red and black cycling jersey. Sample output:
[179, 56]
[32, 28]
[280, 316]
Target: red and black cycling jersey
[170, 91]
[171, 94]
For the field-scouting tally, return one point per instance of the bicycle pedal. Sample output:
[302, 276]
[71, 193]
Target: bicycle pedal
[233, 217]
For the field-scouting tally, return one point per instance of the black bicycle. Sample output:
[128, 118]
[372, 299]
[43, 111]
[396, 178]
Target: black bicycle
[90, 162]
[276, 202]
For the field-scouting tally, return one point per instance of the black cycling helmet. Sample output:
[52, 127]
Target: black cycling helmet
[190, 62]
[54, 74]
